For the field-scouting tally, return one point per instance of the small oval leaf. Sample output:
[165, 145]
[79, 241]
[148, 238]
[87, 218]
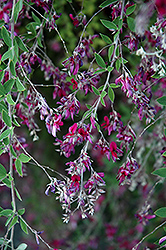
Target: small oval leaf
[160, 172]
[161, 212]
[109, 25]
[162, 100]
[99, 60]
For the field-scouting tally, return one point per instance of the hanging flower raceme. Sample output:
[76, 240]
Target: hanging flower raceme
[73, 63]
[127, 170]
[78, 133]
[131, 89]
[115, 151]
[113, 123]
[28, 61]
[103, 146]
[126, 135]
[145, 214]
[59, 78]
[53, 123]
[69, 106]
[85, 81]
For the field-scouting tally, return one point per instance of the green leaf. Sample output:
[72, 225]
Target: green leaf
[6, 141]
[37, 20]
[103, 94]
[39, 39]
[22, 246]
[164, 154]
[88, 106]
[162, 100]
[12, 68]
[110, 51]
[3, 106]
[102, 102]
[131, 23]
[130, 9]
[6, 37]
[13, 222]
[10, 99]
[160, 172]
[87, 114]
[161, 212]
[116, 35]
[5, 134]
[106, 38]
[109, 68]
[18, 195]
[109, 25]
[95, 90]
[6, 118]
[100, 60]
[122, 60]
[114, 86]
[24, 158]
[107, 3]
[9, 220]
[2, 73]
[120, 24]
[99, 71]
[17, 9]
[6, 212]
[117, 64]
[8, 55]
[23, 226]
[15, 122]
[117, 51]
[8, 85]
[18, 166]
[13, 151]
[21, 45]
[3, 172]
[101, 88]
[7, 182]
[19, 85]
[32, 28]
[111, 94]
[21, 211]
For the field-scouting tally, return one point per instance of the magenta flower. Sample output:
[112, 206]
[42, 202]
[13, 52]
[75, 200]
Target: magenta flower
[74, 19]
[53, 124]
[127, 169]
[69, 106]
[103, 146]
[115, 151]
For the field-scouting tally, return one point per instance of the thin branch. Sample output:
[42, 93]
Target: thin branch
[139, 243]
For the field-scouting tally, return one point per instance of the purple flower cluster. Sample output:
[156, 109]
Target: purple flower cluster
[130, 88]
[78, 133]
[46, 5]
[113, 123]
[85, 81]
[106, 149]
[69, 106]
[82, 52]
[126, 135]
[144, 215]
[29, 61]
[59, 78]
[4, 13]
[126, 170]
[82, 163]
[74, 190]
